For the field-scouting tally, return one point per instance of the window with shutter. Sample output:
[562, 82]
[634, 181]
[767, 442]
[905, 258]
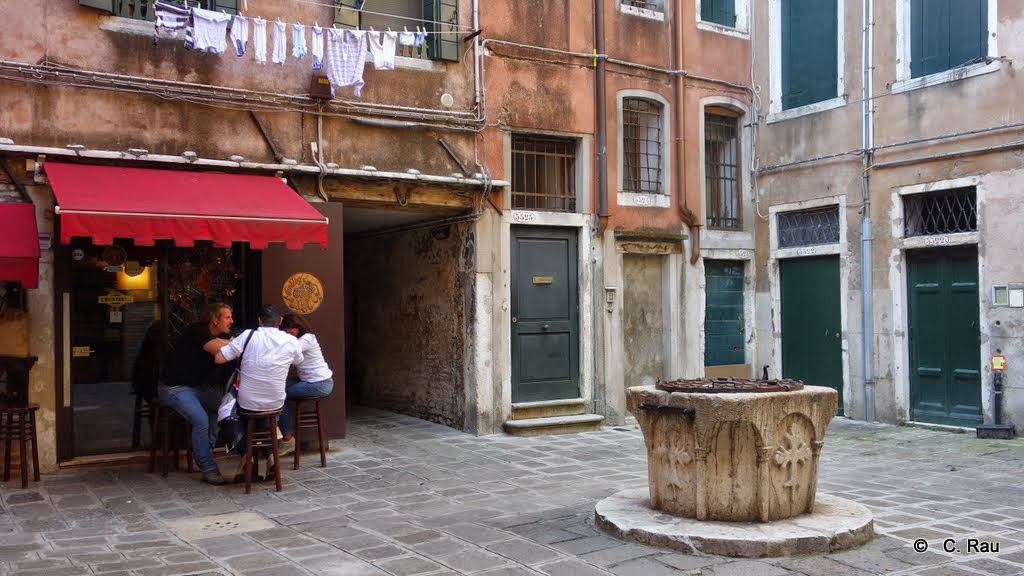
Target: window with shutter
[346, 13]
[105, 5]
[443, 40]
[721, 12]
[143, 9]
[947, 34]
[810, 55]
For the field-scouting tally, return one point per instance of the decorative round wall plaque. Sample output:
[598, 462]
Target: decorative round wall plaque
[302, 292]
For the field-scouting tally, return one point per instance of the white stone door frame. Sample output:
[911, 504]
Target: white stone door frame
[840, 249]
[899, 274]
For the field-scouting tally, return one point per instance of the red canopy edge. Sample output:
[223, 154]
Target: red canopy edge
[19, 244]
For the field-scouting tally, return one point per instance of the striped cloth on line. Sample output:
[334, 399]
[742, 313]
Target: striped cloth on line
[171, 17]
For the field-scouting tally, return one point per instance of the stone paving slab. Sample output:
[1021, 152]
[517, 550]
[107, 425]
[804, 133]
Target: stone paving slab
[405, 497]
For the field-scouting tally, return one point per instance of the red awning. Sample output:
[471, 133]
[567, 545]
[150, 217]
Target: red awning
[19, 244]
[146, 204]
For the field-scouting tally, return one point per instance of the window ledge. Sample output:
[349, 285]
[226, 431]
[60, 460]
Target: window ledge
[641, 12]
[805, 110]
[419, 64]
[131, 26]
[720, 29]
[644, 200]
[945, 76]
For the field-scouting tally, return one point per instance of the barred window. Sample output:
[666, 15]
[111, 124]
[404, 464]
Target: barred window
[543, 173]
[722, 171]
[809, 227]
[945, 212]
[642, 145]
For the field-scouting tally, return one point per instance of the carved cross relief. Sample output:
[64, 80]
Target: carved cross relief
[790, 453]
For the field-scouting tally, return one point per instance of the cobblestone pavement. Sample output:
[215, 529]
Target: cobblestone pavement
[406, 497]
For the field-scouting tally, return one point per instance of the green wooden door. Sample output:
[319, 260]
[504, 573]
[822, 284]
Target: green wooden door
[723, 313]
[945, 352]
[811, 327]
[545, 341]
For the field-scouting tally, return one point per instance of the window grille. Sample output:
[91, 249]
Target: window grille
[652, 5]
[721, 171]
[809, 227]
[641, 138]
[543, 173]
[946, 212]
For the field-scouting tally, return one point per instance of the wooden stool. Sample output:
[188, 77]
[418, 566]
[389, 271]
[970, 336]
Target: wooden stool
[143, 409]
[168, 421]
[309, 419]
[18, 423]
[260, 437]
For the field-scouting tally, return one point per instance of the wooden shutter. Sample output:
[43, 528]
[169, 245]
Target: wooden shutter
[443, 42]
[810, 57]
[946, 34]
[395, 14]
[346, 13]
[229, 6]
[105, 5]
[719, 11]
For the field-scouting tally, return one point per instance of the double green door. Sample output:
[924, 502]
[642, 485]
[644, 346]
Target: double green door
[811, 322]
[545, 340]
[945, 352]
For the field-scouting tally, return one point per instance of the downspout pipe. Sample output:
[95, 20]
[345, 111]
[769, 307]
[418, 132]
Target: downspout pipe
[601, 111]
[687, 215]
[866, 238]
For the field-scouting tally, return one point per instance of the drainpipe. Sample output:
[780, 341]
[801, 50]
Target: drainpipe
[601, 109]
[866, 272]
[687, 215]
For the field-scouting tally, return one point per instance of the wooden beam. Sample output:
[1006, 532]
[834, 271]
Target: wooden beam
[398, 194]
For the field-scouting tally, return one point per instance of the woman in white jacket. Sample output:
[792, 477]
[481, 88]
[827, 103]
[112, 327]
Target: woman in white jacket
[314, 376]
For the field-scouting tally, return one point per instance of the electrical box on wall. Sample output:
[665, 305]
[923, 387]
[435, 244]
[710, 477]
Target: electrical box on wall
[609, 298]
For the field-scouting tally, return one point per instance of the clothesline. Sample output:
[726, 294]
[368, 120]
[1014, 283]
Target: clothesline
[457, 27]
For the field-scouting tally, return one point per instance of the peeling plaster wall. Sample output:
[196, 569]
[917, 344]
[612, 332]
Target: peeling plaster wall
[412, 301]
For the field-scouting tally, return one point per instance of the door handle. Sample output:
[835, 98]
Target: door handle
[545, 327]
[514, 319]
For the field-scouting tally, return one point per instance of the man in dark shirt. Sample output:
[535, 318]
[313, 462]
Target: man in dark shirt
[189, 385]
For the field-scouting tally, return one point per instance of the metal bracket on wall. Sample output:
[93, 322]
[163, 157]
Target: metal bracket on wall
[39, 177]
[402, 194]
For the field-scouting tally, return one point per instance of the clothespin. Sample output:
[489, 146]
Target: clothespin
[406, 28]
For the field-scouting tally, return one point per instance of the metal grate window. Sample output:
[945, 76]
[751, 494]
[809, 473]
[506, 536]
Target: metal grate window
[946, 212]
[642, 144]
[809, 227]
[543, 173]
[653, 5]
[721, 171]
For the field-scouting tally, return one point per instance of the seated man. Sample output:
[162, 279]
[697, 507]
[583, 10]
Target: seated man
[191, 386]
[265, 363]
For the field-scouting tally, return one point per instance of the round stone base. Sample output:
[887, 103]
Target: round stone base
[836, 524]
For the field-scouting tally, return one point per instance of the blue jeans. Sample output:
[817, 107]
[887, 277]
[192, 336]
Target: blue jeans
[199, 407]
[301, 390]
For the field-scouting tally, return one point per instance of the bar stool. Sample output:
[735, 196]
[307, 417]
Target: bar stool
[258, 435]
[143, 409]
[168, 421]
[309, 419]
[18, 424]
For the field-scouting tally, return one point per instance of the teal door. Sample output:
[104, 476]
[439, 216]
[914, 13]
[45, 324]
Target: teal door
[945, 352]
[545, 341]
[723, 313]
[811, 328]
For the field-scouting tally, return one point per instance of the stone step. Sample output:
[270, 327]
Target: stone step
[548, 408]
[554, 425]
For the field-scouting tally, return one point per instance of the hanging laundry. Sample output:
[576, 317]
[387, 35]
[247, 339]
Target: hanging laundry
[169, 17]
[346, 57]
[280, 30]
[259, 40]
[420, 37]
[382, 48]
[211, 28]
[407, 38]
[318, 48]
[240, 34]
[298, 41]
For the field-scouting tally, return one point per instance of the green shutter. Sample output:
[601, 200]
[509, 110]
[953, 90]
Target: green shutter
[105, 5]
[719, 11]
[346, 13]
[810, 57]
[229, 6]
[946, 34]
[443, 40]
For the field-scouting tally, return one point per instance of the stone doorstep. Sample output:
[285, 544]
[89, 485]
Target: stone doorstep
[554, 425]
[548, 408]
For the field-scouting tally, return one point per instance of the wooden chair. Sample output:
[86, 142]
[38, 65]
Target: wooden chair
[18, 424]
[309, 419]
[260, 432]
[168, 422]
